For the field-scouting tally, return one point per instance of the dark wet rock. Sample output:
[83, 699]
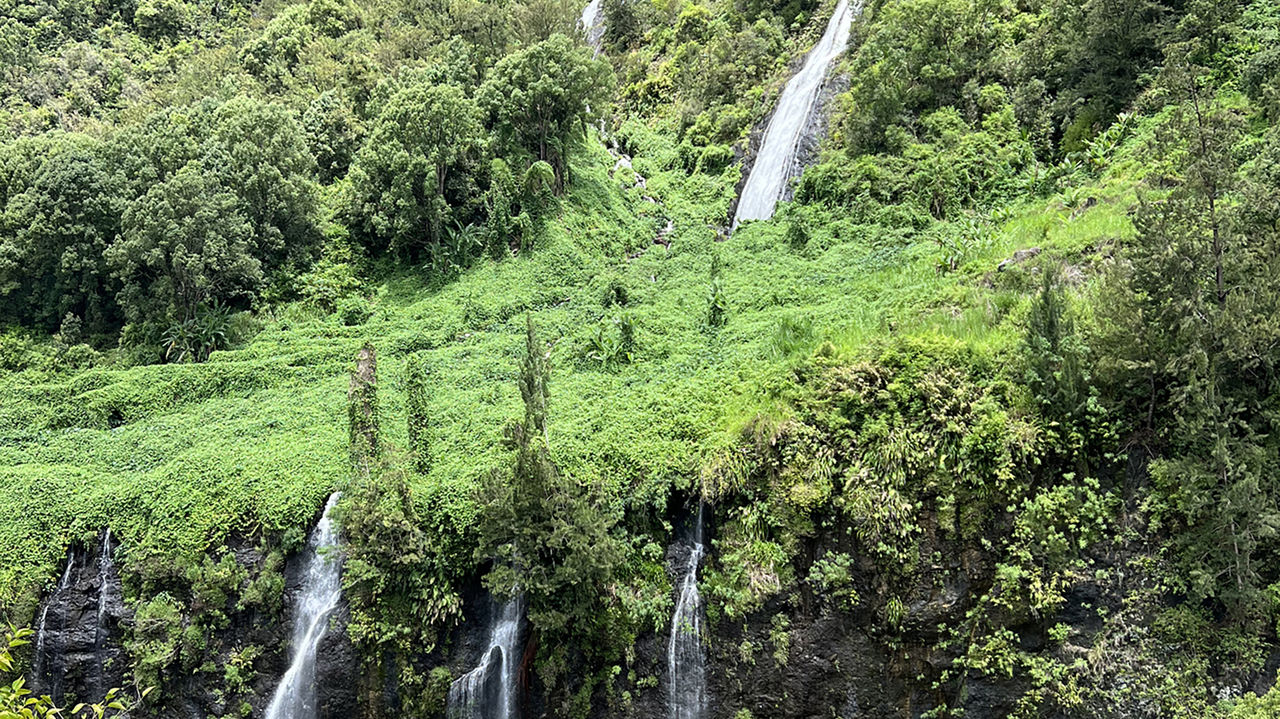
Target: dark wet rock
[337, 666]
[79, 655]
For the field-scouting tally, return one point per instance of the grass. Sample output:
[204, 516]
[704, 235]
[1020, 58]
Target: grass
[175, 458]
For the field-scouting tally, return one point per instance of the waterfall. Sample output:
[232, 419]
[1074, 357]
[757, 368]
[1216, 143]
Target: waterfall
[776, 162]
[40, 666]
[104, 573]
[489, 691]
[592, 24]
[686, 666]
[100, 634]
[295, 697]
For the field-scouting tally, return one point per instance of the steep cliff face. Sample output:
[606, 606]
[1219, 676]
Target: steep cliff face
[89, 641]
[886, 650]
[337, 667]
[78, 653]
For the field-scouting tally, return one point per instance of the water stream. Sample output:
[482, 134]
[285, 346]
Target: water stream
[106, 567]
[776, 161]
[41, 668]
[592, 24]
[686, 663]
[489, 691]
[295, 697]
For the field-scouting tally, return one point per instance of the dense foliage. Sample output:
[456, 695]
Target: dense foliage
[1012, 344]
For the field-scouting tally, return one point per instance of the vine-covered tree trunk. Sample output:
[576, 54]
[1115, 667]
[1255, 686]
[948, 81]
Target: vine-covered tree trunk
[362, 408]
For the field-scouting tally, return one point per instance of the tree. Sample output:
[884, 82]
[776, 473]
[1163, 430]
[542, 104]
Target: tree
[332, 135]
[1084, 62]
[541, 99]
[257, 151]
[1195, 327]
[419, 412]
[1057, 372]
[548, 536]
[396, 575]
[161, 19]
[917, 57]
[184, 245]
[540, 19]
[414, 175]
[362, 411]
[1121, 39]
[622, 22]
[51, 259]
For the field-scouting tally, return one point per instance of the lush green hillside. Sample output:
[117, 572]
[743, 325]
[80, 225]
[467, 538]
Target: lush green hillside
[1012, 343]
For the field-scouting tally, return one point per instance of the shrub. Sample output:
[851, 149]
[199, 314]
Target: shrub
[353, 310]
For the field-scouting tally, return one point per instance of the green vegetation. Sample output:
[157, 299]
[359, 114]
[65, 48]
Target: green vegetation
[17, 701]
[1013, 340]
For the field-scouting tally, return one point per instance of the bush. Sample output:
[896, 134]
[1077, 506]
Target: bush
[354, 310]
[161, 19]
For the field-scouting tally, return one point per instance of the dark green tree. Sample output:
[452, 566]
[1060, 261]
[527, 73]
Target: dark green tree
[414, 177]
[1195, 323]
[622, 22]
[184, 245]
[332, 133]
[162, 19]
[548, 535]
[257, 151]
[58, 229]
[419, 417]
[541, 99]
[1058, 374]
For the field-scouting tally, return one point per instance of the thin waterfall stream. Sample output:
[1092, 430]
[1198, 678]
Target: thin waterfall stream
[489, 691]
[686, 662]
[776, 161]
[295, 697]
[40, 666]
[106, 566]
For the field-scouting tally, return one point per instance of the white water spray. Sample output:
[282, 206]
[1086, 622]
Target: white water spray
[106, 566]
[489, 691]
[295, 697]
[41, 664]
[592, 24]
[776, 162]
[686, 665]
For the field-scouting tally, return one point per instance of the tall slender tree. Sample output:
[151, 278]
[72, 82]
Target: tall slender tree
[549, 535]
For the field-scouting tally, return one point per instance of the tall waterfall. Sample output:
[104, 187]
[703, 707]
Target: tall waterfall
[592, 24]
[686, 665]
[295, 697]
[776, 162]
[489, 691]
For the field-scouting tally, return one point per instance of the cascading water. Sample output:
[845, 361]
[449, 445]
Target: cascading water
[100, 634]
[686, 665]
[40, 667]
[592, 24]
[489, 690]
[776, 162]
[295, 697]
